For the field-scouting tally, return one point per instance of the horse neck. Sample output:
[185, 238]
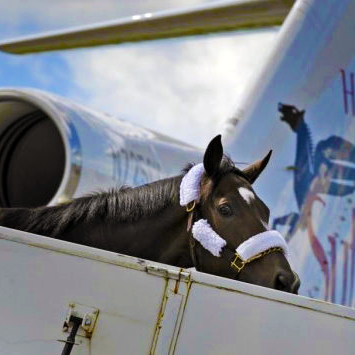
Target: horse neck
[160, 237]
[15, 218]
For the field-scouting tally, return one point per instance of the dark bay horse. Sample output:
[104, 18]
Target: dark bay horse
[148, 221]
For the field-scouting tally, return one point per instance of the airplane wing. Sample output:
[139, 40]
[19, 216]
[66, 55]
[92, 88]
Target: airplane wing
[216, 17]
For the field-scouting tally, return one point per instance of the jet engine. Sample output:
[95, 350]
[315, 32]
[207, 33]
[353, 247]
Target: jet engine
[52, 150]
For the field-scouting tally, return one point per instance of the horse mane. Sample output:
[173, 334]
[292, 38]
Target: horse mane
[126, 204]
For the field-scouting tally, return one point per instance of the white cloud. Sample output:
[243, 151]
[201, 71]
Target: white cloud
[184, 88]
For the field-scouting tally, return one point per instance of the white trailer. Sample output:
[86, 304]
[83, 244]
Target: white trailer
[134, 306]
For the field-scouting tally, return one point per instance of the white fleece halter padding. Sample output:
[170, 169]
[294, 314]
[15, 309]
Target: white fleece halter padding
[190, 185]
[261, 242]
[209, 239]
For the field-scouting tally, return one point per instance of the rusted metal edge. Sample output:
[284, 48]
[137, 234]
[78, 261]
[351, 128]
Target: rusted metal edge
[272, 295]
[38, 241]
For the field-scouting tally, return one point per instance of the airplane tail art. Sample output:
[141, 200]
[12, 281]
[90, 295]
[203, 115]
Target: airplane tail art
[52, 150]
[302, 105]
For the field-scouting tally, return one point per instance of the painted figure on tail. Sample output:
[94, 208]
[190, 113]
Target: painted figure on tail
[316, 171]
[325, 170]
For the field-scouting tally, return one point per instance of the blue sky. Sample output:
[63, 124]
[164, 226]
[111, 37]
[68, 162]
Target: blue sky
[185, 88]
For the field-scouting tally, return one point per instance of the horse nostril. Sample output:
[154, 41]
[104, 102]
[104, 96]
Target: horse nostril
[283, 282]
[296, 284]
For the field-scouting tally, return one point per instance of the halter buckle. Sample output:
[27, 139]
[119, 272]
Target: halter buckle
[192, 206]
[238, 263]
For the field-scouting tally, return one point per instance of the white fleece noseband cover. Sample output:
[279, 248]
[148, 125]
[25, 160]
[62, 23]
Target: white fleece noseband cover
[209, 239]
[262, 242]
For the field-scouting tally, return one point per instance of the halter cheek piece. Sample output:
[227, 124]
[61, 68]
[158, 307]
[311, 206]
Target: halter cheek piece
[252, 249]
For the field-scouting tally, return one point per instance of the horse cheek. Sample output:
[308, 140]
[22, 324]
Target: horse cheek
[210, 264]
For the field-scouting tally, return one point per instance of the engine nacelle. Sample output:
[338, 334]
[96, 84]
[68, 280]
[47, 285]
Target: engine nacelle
[52, 150]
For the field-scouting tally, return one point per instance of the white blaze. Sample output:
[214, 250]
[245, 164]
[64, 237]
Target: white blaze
[246, 194]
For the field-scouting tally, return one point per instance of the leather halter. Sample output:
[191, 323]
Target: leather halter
[230, 255]
[192, 242]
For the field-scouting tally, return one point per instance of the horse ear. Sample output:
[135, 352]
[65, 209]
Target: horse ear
[213, 156]
[253, 171]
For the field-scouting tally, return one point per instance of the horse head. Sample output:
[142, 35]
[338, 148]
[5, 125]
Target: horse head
[234, 214]
[291, 115]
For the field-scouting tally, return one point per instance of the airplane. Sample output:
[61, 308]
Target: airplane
[301, 105]
[127, 159]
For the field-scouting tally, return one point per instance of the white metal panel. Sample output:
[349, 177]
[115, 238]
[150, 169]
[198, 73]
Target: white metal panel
[170, 317]
[38, 284]
[147, 307]
[228, 317]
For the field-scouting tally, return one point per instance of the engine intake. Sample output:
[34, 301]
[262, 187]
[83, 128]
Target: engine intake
[32, 155]
[53, 150]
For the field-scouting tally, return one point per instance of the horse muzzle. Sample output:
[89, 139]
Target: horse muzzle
[287, 282]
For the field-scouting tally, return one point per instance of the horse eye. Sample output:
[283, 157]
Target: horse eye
[225, 210]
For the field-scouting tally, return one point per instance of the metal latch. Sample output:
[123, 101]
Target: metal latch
[80, 320]
[181, 275]
[86, 313]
